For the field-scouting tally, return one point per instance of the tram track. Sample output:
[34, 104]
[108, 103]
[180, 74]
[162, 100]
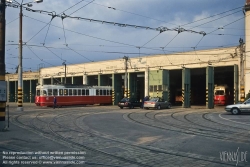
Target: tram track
[56, 136]
[219, 123]
[158, 151]
[57, 129]
[186, 130]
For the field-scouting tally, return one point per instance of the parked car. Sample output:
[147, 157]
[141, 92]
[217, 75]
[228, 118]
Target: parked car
[129, 102]
[238, 108]
[157, 103]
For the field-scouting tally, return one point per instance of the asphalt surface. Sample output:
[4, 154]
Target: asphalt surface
[109, 136]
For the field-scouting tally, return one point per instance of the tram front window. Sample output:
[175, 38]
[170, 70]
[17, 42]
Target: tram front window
[44, 92]
[38, 92]
[219, 92]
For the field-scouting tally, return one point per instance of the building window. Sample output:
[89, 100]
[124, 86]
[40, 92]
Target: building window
[155, 88]
[151, 88]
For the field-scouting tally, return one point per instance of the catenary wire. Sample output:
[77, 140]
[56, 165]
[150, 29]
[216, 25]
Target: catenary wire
[81, 7]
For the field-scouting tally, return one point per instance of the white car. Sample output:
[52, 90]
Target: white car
[157, 103]
[238, 108]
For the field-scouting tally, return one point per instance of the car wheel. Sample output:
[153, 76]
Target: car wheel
[131, 106]
[159, 107]
[235, 111]
[121, 107]
[169, 106]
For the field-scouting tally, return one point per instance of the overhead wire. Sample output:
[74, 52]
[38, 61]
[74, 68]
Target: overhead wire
[211, 16]
[114, 8]
[80, 54]
[196, 45]
[12, 21]
[150, 40]
[72, 6]
[38, 56]
[81, 7]
[215, 19]
[170, 41]
[111, 41]
[228, 24]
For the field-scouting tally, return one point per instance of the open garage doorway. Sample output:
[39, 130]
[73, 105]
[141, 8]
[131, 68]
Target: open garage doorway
[224, 76]
[175, 87]
[198, 86]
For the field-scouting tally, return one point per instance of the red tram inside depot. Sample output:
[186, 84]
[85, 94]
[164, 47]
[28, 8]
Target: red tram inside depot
[222, 95]
[67, 95]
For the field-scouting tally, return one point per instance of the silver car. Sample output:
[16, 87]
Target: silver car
[238, 108]
[156, 102]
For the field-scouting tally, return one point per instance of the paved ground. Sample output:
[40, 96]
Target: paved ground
[109, 136]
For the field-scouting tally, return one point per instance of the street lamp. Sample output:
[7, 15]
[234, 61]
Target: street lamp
[64, 72]
[20, 79]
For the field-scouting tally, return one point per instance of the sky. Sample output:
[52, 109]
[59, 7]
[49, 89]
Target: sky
[71, 36]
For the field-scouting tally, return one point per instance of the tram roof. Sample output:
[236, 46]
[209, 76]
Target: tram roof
[70, 86]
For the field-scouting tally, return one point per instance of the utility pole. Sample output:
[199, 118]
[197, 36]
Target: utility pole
[2, 64]
[126, 76]
[242, 73]
[20, 64]
[64, 63]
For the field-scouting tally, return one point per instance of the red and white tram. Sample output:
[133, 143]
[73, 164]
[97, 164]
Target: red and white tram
[222, 95]
[72, 95]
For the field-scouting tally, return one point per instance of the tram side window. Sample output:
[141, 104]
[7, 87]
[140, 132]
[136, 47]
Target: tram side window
[44, 92]
[55, 92]
[61, 92]
[101, 92]
[87, 92]
[97, 91]
[79, 92]
[83, 92]
[104, 92]
[70, 92]
[38, 92]
[65, 92]
[74, 91]
[49, 92]
[110, 92]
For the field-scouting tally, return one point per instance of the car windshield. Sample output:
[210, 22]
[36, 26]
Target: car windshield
[154, 99]
[247, 101]
[125, 99]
